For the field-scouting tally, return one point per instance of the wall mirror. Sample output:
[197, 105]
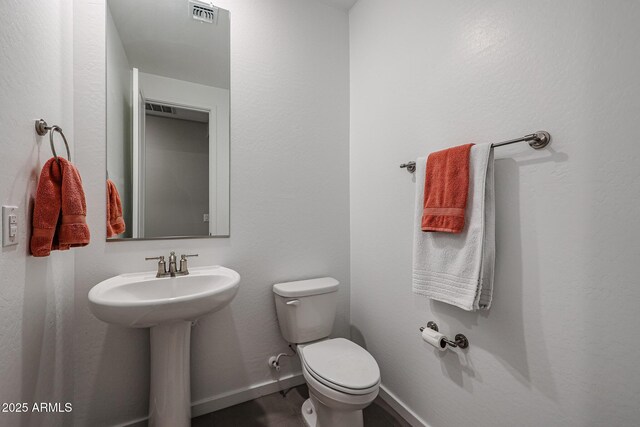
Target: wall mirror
[168, 75]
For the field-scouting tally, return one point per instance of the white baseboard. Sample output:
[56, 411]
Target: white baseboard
[402, 409]
[225, 400]
[231, 398]
[245, 394]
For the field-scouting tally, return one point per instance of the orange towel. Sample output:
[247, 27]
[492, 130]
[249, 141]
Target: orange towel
[446, 187]
[115, 222]
[46, 210]
[59, 213]
[73, 230]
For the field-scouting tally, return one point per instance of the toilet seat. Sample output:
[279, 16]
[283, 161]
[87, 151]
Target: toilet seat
[341, 365]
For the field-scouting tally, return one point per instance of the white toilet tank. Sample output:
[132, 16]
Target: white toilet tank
[306, 308]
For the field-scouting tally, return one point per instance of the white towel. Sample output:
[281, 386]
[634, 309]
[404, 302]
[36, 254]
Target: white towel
[458, 268]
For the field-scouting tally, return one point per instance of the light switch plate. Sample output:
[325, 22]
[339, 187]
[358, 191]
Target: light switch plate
[10, 225]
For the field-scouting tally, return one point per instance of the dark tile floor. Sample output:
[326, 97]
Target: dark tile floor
[274, 410]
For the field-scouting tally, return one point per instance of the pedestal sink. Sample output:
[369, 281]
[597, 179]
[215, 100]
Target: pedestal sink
[167, 306]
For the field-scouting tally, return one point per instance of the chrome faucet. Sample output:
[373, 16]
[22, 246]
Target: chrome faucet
[173, 271]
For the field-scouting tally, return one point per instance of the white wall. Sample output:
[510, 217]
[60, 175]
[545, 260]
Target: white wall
[560, 345]
[36, 294]
[289, 202]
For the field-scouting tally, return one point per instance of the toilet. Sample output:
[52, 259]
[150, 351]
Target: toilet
[343, 378]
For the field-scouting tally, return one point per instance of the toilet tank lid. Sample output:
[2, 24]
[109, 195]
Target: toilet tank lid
[305, 288]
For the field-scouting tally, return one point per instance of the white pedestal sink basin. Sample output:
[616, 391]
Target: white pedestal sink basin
[167, 306]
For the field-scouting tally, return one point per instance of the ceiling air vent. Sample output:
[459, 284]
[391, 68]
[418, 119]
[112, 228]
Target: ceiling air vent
[159, 108]
[203, 11]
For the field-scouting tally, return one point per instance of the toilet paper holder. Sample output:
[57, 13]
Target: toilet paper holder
[460, 340]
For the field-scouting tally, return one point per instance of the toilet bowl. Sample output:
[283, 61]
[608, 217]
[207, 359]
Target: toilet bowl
[343, 378]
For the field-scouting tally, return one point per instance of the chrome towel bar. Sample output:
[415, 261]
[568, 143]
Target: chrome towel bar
[536, 140]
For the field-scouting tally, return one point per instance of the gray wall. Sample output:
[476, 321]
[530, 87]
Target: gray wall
[176, 177]
[559, 346]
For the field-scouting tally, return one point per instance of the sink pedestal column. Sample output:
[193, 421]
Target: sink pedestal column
[170, 398]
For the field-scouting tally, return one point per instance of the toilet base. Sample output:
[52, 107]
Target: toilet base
[309, 413]
[315, 414]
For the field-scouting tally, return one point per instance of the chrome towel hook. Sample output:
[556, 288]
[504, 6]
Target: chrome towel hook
[42, 128]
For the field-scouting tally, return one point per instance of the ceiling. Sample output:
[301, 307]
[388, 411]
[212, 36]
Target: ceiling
[340, 4]
[161, 38]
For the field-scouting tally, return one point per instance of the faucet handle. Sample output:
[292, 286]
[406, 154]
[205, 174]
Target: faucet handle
[162, 265]
[183, 263]
[183, 256]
